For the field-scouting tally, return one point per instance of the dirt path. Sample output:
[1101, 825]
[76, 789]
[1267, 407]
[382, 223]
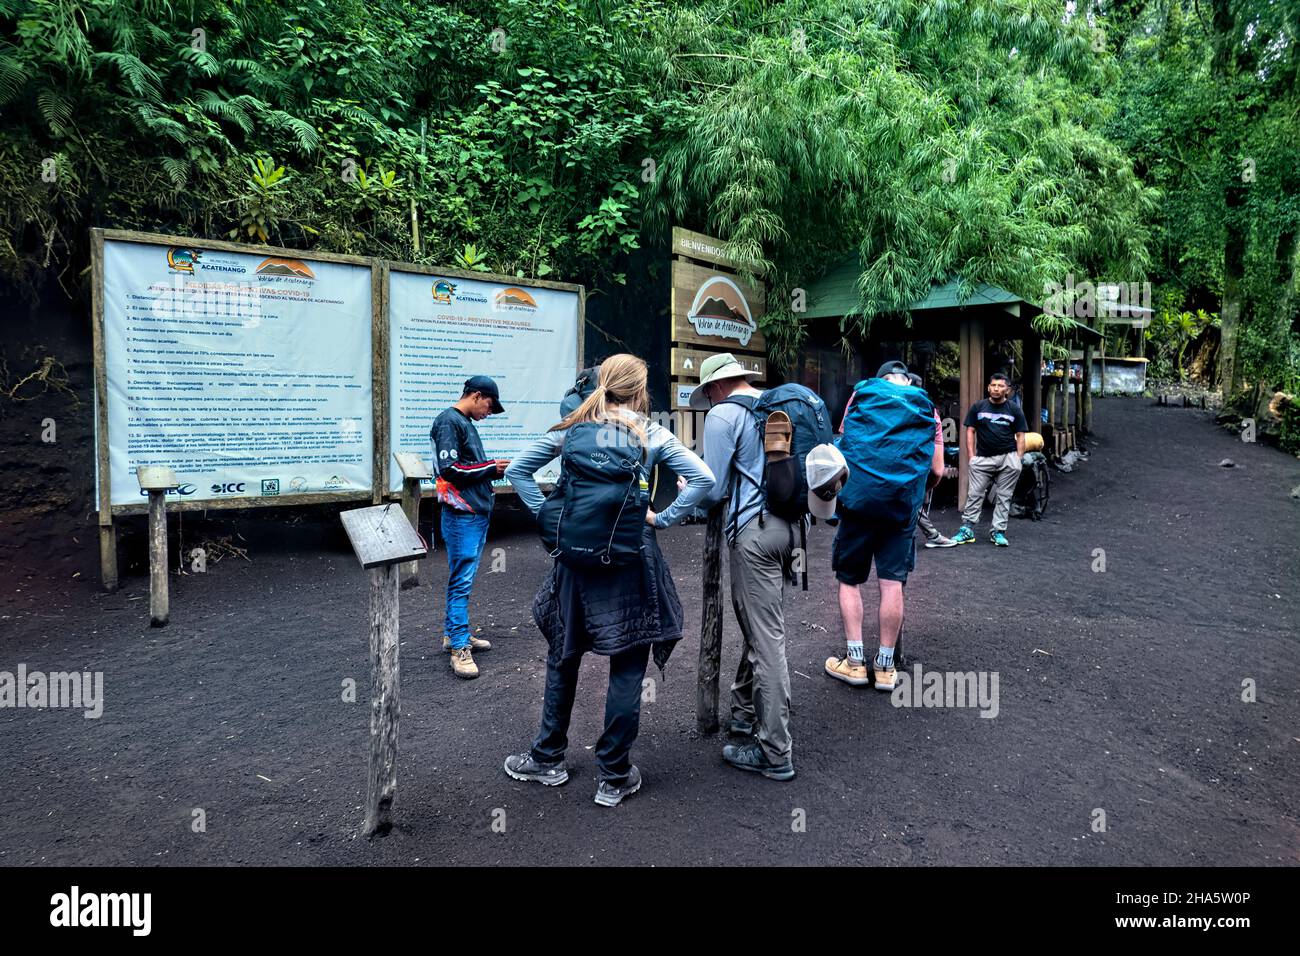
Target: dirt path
[1118, 691]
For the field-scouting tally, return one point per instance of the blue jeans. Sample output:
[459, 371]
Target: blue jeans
[464, 534]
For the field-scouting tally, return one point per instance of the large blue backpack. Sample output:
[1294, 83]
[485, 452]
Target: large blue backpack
[595, 516]
[785, 482]
[888, 442]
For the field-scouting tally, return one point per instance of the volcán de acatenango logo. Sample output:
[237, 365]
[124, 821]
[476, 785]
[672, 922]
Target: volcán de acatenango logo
[720, 309]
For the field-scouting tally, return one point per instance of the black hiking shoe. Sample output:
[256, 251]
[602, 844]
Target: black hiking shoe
[750, 757]
[524, 767]
[608, 795]
[740, 728]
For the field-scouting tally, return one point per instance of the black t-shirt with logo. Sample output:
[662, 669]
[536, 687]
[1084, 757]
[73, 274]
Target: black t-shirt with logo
[995, 426]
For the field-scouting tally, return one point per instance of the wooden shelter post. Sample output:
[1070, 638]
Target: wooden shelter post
[1032, 381]
[972, 390]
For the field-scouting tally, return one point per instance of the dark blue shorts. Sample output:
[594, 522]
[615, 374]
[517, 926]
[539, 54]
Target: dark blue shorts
[859, 539]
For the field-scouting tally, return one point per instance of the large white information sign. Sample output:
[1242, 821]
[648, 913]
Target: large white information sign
[248, 375]
[443, 330]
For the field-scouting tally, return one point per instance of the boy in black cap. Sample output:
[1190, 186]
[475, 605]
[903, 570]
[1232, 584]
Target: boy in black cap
[464, 485]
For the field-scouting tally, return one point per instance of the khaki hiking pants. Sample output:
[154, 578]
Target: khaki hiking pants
[1000, 471]
[760, 694]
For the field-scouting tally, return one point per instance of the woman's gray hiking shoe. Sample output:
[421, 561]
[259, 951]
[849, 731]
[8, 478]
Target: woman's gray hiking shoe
[524, 767]
[608, 795]
[750, 757]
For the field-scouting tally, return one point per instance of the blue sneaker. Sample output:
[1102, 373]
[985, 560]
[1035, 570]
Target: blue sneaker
[999, 539]
[750, 756]
[964, 535]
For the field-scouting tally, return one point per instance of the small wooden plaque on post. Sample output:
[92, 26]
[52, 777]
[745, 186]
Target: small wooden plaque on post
[156, 478]
[412, 465]
[382, 535]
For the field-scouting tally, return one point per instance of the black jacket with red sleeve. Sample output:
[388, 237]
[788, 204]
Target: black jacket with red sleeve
[463, 471]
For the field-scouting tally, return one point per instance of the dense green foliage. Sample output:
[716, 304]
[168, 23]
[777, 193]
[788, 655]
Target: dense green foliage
[1006, 141]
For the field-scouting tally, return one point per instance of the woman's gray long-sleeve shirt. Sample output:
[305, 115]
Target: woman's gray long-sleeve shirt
[661, 446]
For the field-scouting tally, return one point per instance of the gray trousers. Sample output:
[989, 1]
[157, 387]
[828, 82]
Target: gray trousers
[1000, 471]
[761, 692]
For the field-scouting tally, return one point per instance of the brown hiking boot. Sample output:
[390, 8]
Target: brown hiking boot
[462, 664]
[477, 643]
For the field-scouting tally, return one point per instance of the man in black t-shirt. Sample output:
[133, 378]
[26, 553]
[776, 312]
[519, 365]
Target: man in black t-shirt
[995, 440]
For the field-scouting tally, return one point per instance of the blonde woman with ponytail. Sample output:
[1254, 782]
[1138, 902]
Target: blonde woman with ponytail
[621, 612]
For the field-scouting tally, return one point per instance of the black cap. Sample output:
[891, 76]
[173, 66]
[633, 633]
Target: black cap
[892, 368]
[485, 386]
[917, 381]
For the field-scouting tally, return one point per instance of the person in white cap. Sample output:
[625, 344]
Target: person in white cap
[760, 553]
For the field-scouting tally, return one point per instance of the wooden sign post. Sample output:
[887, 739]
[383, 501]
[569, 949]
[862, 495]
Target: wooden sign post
[382, 538]
[706, 691]
[414, 470]
[713, 311]
[157, 480]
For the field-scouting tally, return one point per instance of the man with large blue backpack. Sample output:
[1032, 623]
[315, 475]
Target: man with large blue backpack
[756, 444]
[893, 455]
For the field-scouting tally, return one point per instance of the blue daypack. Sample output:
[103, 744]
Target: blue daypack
[785, 482]
[888, 442]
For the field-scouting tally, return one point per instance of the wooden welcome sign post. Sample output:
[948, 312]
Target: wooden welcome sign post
[382, 538]
[157, 480]
[713, 311]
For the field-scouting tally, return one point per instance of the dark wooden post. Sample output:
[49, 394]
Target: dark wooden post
[107, 551]
[382, 539]
[706, 698]
[1085, 397]
[157, 481]
[385, 702]
[1031, 382]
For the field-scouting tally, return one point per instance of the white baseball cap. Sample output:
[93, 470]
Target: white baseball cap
[826, 471]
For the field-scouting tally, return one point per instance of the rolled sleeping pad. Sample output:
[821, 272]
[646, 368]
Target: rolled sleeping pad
[1033, 441]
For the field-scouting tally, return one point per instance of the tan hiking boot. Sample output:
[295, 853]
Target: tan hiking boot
[477, 643]
[847, 671]
[462, 664]
[778, 435]
[886, 679]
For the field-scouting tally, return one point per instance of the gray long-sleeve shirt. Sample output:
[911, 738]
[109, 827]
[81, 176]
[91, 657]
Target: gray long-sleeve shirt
[732, 450]
[661, 446]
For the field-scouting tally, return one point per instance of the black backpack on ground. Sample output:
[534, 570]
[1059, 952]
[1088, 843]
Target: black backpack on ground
[1029, 500]
[595, 516]
[785, 481]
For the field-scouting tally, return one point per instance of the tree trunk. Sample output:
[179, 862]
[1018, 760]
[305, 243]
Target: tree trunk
[1232, 309]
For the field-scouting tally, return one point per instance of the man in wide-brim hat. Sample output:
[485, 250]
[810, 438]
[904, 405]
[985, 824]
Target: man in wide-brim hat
[760, 548]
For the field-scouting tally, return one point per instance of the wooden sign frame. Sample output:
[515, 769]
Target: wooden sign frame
[409, 267]
[380, 270]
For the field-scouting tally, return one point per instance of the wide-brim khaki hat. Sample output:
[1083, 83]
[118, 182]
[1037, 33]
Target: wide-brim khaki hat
[714, 368]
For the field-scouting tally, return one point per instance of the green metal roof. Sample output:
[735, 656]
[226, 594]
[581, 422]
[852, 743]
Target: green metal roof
[836, 294]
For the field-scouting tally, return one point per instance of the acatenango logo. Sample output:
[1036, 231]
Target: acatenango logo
[182, 260]
[66, 689]
[75, 909]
